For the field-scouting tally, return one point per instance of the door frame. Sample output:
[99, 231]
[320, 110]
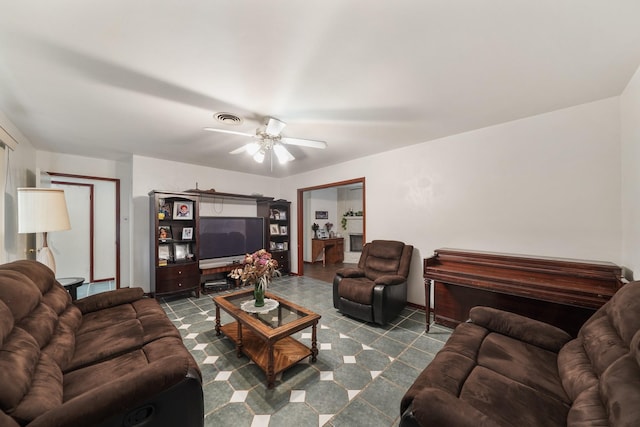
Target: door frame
[300, 213]
[116, 181]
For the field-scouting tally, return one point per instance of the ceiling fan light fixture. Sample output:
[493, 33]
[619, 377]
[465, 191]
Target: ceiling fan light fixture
[252, 148]
[282, 154]
[259, 156]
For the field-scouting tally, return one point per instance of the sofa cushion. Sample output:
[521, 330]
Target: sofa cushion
[113, 331]
[506, 400]
[523, 363]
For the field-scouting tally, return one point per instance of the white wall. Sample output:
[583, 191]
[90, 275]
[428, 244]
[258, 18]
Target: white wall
[545, 185]
[630, 136]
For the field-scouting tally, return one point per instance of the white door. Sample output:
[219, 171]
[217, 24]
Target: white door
[72, 248]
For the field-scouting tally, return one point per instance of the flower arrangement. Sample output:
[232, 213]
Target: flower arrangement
[328, 226]
[315, 227]
[258, 269]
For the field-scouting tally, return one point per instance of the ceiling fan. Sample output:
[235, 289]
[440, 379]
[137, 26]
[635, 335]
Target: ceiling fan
[269, 140]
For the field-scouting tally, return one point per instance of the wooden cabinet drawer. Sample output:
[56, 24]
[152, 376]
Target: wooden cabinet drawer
[177, 278]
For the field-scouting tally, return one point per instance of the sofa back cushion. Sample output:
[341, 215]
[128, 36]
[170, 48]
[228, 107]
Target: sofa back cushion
[385, 257]
[37, 339]
[600, 369]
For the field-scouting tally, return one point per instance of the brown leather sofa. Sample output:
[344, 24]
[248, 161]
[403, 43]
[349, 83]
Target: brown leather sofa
[112, 359]
[375, 291]
[503, 369]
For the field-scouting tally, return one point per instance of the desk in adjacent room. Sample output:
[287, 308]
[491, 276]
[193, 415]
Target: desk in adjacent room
[332, 250]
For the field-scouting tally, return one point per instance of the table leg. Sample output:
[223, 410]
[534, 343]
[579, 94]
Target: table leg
[314, 342]
[239, 344]
[271, 376]
[217, 320]
[427, 302]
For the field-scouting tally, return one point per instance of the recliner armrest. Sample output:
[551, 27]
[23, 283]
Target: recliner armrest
[350, 272]
[391, 279]
[108, 299]
[522, 328]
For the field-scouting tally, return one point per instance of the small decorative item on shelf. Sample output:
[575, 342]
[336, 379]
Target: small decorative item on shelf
[329, 226]
[315, 228]
[258, 269]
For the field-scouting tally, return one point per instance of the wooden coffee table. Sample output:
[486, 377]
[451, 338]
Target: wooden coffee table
[266, 337]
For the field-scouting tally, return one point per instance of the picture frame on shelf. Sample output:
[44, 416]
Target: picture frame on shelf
[283, 215]
[322, 214]
[273, 229]
[322, 234]
[183, 210]
[164, 233]
[275, 214]
[181, 251]
[279, 246]
[285, 246]
[164, 252]
[164, 209]
[272, 245]
[187, 233]
[283, 230]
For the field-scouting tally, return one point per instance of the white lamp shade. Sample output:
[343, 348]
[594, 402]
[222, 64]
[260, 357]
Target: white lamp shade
[42, 210]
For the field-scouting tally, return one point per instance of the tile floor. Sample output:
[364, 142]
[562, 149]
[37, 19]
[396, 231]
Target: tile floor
[360, 376]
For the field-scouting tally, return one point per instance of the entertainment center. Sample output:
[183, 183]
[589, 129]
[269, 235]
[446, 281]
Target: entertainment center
[194, 249]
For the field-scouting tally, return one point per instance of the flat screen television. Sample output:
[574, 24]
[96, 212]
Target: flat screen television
[227, 237]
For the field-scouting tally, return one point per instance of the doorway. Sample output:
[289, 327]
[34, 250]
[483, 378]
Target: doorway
[92, 246]
[303, 213]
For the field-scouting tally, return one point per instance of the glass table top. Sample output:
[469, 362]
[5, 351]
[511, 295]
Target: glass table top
[284, 313]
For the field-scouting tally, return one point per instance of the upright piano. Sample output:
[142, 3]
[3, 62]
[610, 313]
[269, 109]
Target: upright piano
[562, 292]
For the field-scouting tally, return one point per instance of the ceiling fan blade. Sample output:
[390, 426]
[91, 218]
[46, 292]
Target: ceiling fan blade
[232, 132]
[274, 126]
[251, 148]
[239, 150]
[304, 142]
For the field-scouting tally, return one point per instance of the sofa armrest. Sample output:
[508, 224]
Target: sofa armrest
[390, 279]
[108, 299]
[350, 272]
[522, 328]
[121, 395]
[434, 407]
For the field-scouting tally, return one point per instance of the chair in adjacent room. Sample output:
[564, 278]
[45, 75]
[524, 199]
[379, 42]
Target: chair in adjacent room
[375, 291]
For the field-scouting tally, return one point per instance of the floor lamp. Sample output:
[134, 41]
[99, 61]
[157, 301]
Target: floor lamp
[41, 210]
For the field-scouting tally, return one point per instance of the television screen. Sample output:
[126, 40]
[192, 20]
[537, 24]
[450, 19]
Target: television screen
[230, 236]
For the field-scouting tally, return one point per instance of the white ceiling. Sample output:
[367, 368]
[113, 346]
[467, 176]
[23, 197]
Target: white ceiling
[113, 78]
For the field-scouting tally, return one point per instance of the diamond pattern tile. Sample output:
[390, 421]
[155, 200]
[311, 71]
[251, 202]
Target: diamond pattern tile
[362, 371]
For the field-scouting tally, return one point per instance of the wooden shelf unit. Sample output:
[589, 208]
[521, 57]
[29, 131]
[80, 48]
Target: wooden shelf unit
[277, 216]
[174, 259]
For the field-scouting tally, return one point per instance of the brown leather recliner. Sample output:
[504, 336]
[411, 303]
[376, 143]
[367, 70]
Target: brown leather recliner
[375, 291]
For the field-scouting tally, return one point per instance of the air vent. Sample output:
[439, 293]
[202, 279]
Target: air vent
[228, 118]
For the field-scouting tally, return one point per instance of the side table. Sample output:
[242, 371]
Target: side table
[71, 284]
